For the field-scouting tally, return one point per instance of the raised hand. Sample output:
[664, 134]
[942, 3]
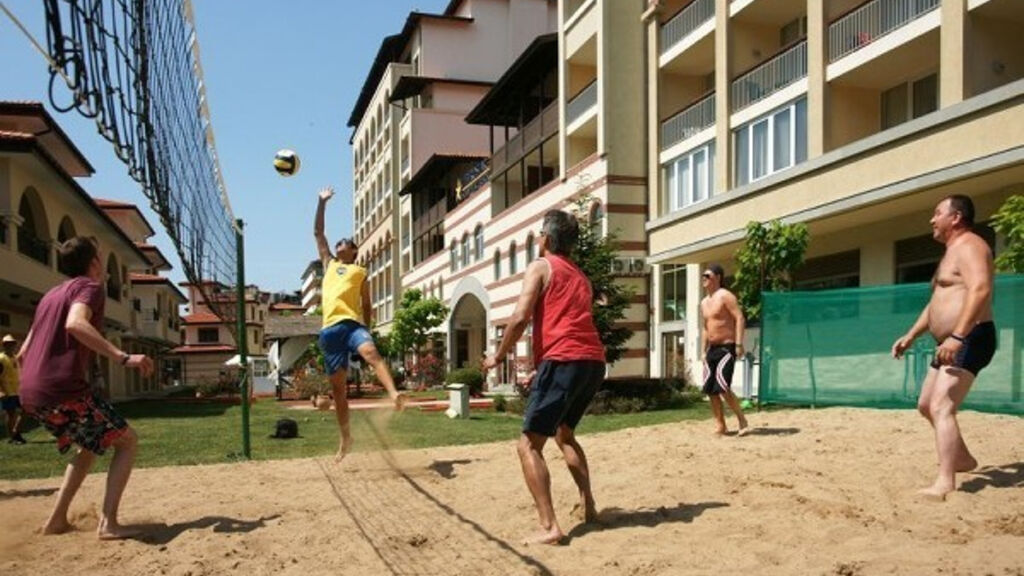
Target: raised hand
[326, 193]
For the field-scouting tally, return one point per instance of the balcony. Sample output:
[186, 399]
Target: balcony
[543, 126]
[770, 76]
[429, 218]
[685, 23]
[872, 21]
[688, 122]
[583, 103]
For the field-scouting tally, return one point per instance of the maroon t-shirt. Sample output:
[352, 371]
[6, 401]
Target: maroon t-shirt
[55, 364]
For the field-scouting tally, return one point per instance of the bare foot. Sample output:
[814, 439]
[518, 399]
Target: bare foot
[966, 464]
[744, 428]
[584, 513]
[721, 432]
[343, 450]
[551, 537]
[400, 401]
[113, 531]
[934, 493]
[57, 527]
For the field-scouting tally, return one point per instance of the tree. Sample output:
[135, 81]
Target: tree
[415, 318]
[769, 257]
[594, 254]
[1009, 221]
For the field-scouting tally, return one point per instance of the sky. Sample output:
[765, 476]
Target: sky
[278, 75]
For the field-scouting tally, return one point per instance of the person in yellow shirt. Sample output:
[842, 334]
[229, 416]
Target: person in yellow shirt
[9, 382]
[347, 312]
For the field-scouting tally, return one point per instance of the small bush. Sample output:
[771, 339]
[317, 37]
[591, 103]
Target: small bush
[471, 377]
[211, 387]
[308, 385]
[639, 395]
[427, 371]
[500, 404]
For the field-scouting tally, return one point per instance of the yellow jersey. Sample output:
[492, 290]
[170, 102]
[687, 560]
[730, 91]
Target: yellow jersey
[9, 380]
[341, 293]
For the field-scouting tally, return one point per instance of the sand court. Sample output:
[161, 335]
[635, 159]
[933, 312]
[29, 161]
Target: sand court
[827, 491]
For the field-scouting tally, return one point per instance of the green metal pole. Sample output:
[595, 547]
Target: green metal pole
[243, 338]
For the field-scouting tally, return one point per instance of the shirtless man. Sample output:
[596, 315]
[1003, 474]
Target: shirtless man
[721, 340]
[959, 317]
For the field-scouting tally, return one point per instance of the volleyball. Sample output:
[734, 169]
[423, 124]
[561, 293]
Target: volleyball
[286, 162]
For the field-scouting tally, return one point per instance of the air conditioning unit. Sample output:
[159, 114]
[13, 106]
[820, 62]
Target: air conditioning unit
[638, 266]
[620, 266]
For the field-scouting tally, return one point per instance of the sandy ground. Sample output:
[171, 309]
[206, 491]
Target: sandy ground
[809, 492]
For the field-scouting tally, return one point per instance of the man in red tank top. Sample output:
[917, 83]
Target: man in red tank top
[570, 362]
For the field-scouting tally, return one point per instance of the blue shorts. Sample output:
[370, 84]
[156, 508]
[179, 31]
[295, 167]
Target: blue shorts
[341, 340]
[560, 394]
[10, 402]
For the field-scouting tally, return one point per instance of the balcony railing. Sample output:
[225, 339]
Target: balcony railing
[770, 76]
[581, 103]
[536, 131]
[685, 22]
[871, 21]
[689, 121]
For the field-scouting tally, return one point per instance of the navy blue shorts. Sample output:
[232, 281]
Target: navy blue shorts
[339, 341]
[979, 346]
[560, 394]
[10, 402]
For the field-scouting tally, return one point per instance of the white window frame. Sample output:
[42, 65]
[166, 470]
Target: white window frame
[682, 194]
[769, 120]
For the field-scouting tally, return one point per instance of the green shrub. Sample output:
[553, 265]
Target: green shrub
[500, 404]
[640, 395]
[309, 385]
[471, 377]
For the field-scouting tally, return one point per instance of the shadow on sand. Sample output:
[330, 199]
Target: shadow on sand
[765, 431]
[612, 518]
[1005, 476]
[12, 494]
[164, 533]
[446, 468]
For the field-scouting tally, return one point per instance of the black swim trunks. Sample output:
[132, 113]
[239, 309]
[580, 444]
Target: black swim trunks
[718, 365]
[978, 348]
[560, 394]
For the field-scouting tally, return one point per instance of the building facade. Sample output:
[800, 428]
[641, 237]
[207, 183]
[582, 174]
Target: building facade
[854, 117]
[41, 205]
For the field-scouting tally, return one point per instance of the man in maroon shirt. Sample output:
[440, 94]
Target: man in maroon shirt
[570, 363]
[54, 358]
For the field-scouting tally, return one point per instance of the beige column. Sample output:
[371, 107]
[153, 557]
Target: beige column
[694, 362]
[877, 263]
[723, 77]
[817, 92]
[952, 52]
[650, 19]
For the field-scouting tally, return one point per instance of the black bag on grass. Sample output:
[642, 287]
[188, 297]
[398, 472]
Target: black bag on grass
[286, 428]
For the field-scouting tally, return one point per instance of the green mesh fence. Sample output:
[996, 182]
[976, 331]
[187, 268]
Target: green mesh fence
[833, 348]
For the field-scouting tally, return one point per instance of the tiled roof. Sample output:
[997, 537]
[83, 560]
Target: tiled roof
[202, 318]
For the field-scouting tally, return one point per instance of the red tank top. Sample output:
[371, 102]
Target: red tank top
[563, 325]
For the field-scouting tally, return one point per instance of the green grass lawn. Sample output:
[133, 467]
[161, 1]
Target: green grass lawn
[179, 434]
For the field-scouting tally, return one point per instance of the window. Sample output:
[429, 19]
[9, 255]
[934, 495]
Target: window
[910, 100]
[689, 178]
[529, 249]
[597, 218]
[465, 249]
[209, 335]
[512, 259]
[454, 257]
[771, 143]
[673, 288]
[478, 244]
[497, 264]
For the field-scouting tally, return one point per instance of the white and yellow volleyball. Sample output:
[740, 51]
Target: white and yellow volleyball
[286, 162]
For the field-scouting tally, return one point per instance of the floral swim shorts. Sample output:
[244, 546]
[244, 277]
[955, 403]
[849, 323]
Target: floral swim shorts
[89, 421]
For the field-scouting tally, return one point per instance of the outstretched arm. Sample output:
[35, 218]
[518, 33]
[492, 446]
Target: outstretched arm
[323, 249]
[533, 284]
[79, 326]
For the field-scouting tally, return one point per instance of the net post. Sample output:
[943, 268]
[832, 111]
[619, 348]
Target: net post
[243, 340]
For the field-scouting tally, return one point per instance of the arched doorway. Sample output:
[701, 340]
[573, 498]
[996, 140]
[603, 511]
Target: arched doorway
[467, 324]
